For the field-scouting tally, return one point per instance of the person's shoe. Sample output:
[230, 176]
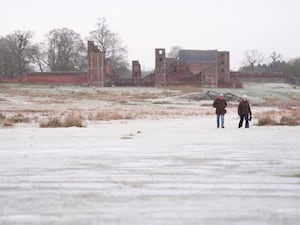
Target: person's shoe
[223, 127]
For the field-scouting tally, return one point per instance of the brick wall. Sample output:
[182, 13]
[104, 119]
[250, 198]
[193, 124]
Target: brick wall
[258, 77]
[49, 78]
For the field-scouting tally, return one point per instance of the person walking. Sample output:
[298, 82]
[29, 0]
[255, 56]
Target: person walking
[244, 112]
[220, 104]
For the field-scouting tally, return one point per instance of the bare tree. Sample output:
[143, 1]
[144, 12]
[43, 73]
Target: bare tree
[6, 63]
[111, 45]
[252, 58]
[276, 58]
[39, 56]
[174, 52]
[15, 56]
[66, 51]
[294, 67]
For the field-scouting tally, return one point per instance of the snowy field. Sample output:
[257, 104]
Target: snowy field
[177, 171]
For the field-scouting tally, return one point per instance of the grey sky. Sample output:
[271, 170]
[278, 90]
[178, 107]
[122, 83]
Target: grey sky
[233, 25]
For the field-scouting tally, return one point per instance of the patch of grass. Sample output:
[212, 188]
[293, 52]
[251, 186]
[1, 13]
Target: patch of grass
[162, 102]
[127, 137]
[123, 101]
[186, 88]
[10, 121]
[19, 118]
[287, 117]
[51, 122]
[106, 116]
[69, 121]
[7, 123]
[278, 102]
[2, 116]
[266, 120]
[288, 121]
[73, 121]
[296, 175]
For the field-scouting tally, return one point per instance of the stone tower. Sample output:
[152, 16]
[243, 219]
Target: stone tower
[223, 66]
[160, 67]
[95, 65]
[136, 70]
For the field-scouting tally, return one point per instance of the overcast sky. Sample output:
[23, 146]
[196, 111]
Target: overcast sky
[231, 25]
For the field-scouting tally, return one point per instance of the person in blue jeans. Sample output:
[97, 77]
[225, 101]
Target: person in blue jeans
[220, 104]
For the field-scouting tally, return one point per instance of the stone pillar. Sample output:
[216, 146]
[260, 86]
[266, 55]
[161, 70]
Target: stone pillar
[136, 70]
[223, 66]
[95, 65]
[160, 67]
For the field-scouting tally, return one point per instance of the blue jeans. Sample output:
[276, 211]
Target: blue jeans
[220, 117]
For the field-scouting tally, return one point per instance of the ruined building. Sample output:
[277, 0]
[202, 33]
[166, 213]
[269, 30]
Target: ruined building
[204, 68]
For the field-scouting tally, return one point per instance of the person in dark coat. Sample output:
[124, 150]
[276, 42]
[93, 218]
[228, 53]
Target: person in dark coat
[220, 104]
[244, 112]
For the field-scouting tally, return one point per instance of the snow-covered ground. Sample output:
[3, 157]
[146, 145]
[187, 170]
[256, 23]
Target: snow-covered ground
[169, 165]
[171, 171]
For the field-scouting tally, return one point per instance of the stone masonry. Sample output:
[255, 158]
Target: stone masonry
[95, 65]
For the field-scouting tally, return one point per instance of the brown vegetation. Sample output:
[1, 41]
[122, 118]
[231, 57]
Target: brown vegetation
[266, 120]
[64, 106]
[186, 88]
[9, 121]
[51, 122]
[69, 121]
[106, 116]
[279, 103]
[288, 117]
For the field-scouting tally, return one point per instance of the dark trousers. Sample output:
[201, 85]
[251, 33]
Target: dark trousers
[242, 118]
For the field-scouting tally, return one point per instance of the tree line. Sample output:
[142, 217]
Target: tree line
[254, 61]
[62, 50]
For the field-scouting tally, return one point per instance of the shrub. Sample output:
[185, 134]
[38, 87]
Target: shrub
[69, 121]
[288, 121]
[128, 116]
[73, 121]
[19, 119]
[10, 121]
[283, 121]
[2, 116]
[266, 120]
[106, 116]
[52, 122]
[7, 123]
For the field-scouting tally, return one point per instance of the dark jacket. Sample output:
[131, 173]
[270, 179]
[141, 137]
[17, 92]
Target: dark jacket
[220, 104]
[244, 108]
